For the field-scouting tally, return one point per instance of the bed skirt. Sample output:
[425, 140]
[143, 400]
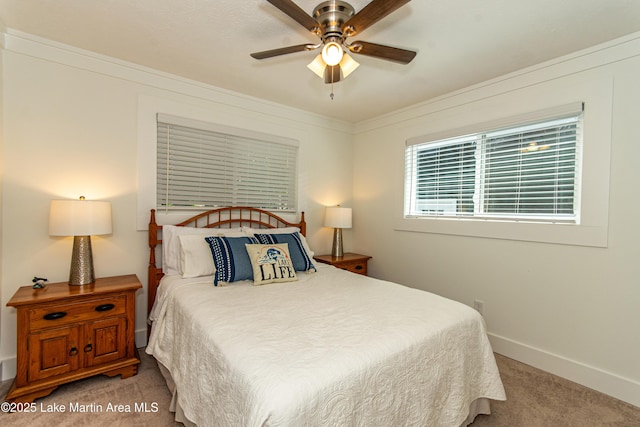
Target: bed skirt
[480, 406]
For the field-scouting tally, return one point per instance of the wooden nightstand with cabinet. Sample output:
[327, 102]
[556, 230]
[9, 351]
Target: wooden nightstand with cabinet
[66, 333]
[356, 263]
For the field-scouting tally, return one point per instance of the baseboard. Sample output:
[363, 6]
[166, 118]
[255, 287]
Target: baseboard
[141, 338]
[9, 368]
[605, 382]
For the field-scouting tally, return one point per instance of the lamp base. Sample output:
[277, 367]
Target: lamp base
[337, 250]
[81, 262]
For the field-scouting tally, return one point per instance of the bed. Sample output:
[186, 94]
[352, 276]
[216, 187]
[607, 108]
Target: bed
[313, 345]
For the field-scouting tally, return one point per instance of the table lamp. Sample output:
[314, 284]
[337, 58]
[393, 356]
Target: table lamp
[80, 219]
[338, 218]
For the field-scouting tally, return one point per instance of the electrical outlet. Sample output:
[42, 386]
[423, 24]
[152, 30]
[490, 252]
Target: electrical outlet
[479, 306]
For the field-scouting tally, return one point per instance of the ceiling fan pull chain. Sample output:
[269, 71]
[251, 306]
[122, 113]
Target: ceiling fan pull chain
[331, 94]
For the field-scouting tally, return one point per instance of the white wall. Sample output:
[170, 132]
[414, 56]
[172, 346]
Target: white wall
[570, 309]
[71, 129]
[1, 155]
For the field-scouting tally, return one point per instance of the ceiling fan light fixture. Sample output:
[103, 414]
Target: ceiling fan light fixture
[332, 53]
[318, 66]
[332, 75]
[348, 65]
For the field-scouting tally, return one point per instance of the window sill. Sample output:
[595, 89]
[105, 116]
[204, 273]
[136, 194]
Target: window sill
[565, 234]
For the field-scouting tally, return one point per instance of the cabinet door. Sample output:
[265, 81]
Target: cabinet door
[105, 341]
[53, 352]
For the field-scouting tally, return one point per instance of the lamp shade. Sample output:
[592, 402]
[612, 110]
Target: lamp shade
[318, 66]
[79, 218]
[348, 65]
[337, 217]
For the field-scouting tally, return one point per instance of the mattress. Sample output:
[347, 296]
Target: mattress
[333, 348]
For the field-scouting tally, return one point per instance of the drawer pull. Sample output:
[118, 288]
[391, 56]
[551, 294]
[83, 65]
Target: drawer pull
[358, 267]
[88, 348]
[105, 307]
[54, 316]
[73, 351]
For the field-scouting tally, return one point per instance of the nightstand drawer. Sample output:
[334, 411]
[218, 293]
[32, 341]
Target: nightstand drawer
[355, 263]
[355, 267]
[53, 315]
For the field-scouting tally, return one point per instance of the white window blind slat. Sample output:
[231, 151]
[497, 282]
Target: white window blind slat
[200, 167]
[523, 172]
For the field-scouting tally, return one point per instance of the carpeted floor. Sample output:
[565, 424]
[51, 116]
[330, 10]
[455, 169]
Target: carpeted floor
[538, 399]
[147, 386]
[534, 398]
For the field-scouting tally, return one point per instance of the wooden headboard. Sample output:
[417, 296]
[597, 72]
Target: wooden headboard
[216, 218]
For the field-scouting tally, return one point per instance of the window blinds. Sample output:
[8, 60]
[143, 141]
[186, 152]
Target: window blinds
[531, 171]
[444, 176]
[203, 168]
[528, 172]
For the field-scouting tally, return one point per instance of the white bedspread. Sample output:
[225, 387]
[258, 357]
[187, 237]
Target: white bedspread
[332, 349]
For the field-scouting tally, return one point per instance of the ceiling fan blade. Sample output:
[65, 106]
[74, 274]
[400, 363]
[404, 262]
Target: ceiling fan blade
[280, 51]
[370, 14]
[296, 13]
[383, 52]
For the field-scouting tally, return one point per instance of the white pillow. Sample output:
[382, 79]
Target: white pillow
[195, 254]
[284, 230]
[171, 243]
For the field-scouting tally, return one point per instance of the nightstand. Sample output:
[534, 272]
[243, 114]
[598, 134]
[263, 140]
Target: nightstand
[356, 263]
[66, 333]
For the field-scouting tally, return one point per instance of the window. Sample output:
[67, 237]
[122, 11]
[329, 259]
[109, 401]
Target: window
[525, 172]
[199, 166]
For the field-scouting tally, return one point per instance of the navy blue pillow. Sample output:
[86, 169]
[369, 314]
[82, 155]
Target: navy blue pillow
[299, 257]
[230, 258]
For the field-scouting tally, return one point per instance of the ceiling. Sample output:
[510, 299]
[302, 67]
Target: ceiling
[459, 43]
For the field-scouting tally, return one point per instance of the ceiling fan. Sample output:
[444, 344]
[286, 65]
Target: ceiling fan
[333, 22]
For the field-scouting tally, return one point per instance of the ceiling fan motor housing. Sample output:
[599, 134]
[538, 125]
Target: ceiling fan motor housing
[331, 15]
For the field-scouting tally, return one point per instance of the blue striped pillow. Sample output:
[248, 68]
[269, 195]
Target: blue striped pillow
[230, 258]
[299, 257]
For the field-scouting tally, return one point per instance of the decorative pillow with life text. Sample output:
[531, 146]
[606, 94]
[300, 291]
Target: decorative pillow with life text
[271, 263]
[299, 257]
[230, 258]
